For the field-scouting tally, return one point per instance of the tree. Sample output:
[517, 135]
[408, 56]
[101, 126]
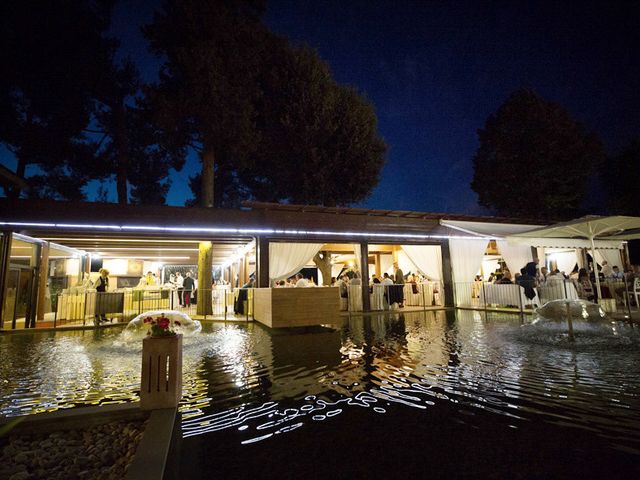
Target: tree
[318, 140]
[323, 262]
[534, 160]
[207, 86]
[45, 87]
[266, 118]
[621, 175]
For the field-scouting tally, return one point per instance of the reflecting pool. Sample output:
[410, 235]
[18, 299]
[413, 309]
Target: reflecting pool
[441, 393]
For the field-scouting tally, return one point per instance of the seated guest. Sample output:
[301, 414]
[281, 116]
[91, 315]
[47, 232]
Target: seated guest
[616, 274]
[555, 277]
[333, 281]
[301, 282]
[606, 269]
[498, 276]
[506, 278]
[584, 286]
[386, 279]
[542, 277]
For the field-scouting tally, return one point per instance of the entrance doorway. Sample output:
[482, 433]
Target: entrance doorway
[18, 304]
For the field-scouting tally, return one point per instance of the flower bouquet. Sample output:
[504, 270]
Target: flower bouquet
[161, 326]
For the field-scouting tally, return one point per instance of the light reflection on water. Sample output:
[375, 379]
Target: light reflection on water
[262, 383]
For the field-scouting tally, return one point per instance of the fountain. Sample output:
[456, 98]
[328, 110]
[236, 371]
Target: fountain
[566, 317]
[180, 323]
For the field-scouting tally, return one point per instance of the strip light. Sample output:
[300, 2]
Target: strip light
[238, 231]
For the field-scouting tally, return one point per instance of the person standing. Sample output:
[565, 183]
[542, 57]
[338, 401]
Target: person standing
[180, 285]
[188, 285]
[102, 285]
[399, 280]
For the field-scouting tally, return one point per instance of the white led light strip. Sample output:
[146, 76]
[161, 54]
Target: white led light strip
[240, 231]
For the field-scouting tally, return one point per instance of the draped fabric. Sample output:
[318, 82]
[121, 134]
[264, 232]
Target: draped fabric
[285, 259]
[428, 259]
[611, 256]
[566, 261]
[515, 256]
[358, 255]
[466, 258]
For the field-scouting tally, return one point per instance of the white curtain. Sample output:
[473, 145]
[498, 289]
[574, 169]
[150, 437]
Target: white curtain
[489, 266]
[566, 261]
[357, 253]
[611, 256]
[427, 258]
[466, 258]
[516, 256]
[285, 259]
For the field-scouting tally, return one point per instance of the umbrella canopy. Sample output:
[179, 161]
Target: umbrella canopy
[591, 228]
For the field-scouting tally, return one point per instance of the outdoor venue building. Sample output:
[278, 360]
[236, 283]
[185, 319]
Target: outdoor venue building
[50, 250]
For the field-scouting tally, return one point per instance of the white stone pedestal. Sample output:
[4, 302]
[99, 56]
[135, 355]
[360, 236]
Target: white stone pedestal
[161, 380]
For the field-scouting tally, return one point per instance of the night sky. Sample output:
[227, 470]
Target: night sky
[436, 70]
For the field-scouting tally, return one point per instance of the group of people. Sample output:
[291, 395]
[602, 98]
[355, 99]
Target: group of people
[184, 286]
[531, 277]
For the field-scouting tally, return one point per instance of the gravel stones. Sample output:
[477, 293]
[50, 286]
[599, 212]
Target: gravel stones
[100, 452]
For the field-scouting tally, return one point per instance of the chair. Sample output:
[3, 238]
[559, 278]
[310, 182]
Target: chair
[635, 290]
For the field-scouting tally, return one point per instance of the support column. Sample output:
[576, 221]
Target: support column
[5, 257]
[205, 266]
[378, 266]
[43, 274]
[364, 270]
[447, 277]
[262, 262]
[30, 315]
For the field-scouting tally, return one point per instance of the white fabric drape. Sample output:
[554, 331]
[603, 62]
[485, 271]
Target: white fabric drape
[285, 259]
[566, 261]
[466, 258]
[611, 256]
[428, 259]
[516, 256]
[358, 255]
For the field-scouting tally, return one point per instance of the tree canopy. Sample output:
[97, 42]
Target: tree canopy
[264, 116]
[534, 159]
[621, 178]
[46, 85]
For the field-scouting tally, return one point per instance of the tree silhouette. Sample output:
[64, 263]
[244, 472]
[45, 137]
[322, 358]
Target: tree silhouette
[46, 85]
[621, 175]
[266, 118]
[534, 160]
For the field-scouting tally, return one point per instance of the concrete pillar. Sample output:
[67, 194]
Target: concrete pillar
[364, 269]
[262, 262]
[205, 261]
[378, 266]
[43, 275]
[447, 274]
[5, 257]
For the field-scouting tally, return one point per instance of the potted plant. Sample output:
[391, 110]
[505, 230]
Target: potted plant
[161, 379]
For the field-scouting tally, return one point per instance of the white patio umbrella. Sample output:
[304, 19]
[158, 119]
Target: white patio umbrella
[591, 228]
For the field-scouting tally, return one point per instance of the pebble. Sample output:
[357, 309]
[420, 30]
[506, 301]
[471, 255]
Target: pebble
[103, 451]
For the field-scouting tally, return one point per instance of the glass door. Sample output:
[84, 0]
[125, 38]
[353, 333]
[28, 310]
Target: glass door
[17, 305]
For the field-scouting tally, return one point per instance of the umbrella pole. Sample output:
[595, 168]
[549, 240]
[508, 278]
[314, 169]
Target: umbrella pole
[595, 268]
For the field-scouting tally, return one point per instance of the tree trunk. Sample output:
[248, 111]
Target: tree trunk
[324, 264]
[205, 261]
[206, 178]
[122, 154]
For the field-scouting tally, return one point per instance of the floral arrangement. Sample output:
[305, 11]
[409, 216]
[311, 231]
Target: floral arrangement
[161, 326]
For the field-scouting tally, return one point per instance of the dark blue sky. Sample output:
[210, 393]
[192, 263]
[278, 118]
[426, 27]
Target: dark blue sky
[436, 70]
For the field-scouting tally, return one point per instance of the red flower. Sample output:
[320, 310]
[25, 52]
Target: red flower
[148, 320]
[163, 323]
